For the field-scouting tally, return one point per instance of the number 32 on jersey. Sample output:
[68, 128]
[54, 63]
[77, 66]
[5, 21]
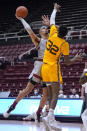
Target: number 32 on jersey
[53, 49]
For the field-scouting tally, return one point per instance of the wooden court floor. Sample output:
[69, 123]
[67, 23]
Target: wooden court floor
[10, 125]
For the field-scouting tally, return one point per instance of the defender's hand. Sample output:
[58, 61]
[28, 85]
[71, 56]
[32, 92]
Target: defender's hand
[46, 20]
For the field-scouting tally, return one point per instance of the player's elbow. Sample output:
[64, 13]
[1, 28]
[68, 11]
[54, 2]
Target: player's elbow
[67, 60]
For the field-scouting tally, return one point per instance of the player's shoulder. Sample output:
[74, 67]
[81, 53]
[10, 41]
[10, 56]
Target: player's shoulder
[65, 42]
[53, 30]
[53, 27]
[43, 40]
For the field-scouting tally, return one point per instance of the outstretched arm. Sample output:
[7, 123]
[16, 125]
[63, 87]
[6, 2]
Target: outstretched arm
[45, 18]
[25, 53]
[27, 27]
[68, 61]
[53, 15]
[65, 51]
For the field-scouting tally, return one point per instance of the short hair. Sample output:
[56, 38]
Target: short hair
[43, 27]
[62, 31]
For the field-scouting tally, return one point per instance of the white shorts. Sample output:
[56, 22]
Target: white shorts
[36, 72]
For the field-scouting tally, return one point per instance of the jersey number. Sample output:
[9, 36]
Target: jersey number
[53, 49]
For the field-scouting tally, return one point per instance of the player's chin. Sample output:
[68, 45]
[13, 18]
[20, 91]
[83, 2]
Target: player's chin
[46, 33]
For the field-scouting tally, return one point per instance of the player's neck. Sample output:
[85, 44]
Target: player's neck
[44, 36]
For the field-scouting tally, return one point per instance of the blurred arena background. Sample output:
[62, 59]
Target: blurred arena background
[14, 40]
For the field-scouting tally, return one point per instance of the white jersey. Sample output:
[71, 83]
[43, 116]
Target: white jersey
[36, 72]
[41, 48]
[85, 86]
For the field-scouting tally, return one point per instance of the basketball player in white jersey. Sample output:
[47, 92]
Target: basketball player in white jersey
[35, 76]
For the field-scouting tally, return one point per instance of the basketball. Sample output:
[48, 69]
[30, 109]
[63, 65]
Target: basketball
[21, 11]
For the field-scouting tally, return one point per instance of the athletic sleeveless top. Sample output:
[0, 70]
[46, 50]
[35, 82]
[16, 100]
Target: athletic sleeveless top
[41, 48]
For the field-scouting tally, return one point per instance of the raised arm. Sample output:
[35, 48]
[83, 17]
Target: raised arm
[68, 61]
[50, 22]
[34, 37]
[53, 15]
